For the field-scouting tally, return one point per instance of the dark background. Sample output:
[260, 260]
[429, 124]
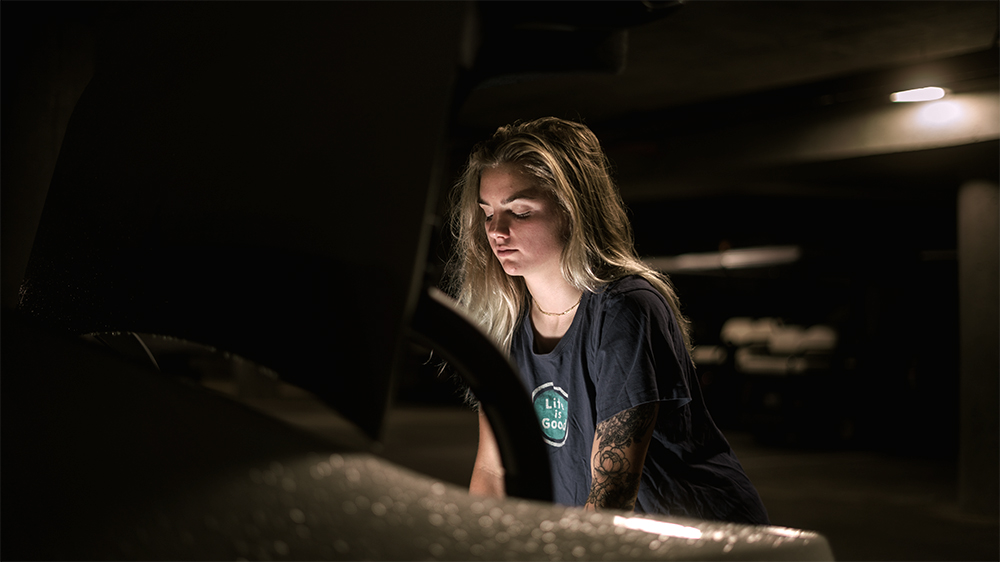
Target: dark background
[725, 124]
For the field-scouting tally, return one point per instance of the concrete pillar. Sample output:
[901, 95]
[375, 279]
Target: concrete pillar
[979, 332]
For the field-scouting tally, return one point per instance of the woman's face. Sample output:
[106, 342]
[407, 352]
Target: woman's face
[523, 222]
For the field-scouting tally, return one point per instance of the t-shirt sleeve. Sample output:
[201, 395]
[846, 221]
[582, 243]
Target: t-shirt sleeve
[639, 354]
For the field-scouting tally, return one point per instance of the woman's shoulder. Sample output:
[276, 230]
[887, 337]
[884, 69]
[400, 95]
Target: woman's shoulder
[625, 307]
[632, 291]
[630, 286]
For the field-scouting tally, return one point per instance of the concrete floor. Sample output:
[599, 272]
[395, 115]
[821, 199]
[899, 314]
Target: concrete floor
[870, 506]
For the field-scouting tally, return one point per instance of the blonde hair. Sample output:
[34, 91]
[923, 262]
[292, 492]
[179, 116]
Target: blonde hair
[566, 159]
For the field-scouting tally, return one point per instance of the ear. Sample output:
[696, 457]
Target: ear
[565, 219]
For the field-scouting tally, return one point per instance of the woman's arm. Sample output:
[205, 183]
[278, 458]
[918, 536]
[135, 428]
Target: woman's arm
[487, 473]
[620, 445]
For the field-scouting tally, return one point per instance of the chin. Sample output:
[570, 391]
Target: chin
[511, 270]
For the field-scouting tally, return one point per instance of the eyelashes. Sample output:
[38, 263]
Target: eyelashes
[515, 215]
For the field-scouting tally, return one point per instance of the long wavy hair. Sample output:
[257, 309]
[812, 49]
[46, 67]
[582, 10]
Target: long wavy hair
[567, 160]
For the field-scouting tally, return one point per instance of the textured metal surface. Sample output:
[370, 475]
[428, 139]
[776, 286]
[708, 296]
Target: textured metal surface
[356, 506]
[108, 460]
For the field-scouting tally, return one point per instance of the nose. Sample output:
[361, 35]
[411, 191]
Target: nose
[497, 227]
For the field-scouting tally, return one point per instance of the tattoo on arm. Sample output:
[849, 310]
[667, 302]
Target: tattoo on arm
[619, 451]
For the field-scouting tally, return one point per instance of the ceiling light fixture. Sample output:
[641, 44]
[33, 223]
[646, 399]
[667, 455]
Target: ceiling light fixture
[920, 94]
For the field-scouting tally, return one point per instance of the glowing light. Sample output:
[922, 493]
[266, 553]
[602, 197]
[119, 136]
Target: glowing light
[920, 94]
[940, 113]
[729, 259]
[760, 257]
[658, 527]
[709, 354]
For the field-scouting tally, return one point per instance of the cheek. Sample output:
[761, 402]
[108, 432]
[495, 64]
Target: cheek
[561, 224]
[552, 238]
[561, 228]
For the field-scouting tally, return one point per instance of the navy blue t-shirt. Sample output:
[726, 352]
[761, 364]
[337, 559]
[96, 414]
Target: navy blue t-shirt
[624, 349]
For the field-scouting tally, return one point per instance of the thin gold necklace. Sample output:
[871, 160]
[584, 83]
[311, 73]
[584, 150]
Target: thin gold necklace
[558, 313]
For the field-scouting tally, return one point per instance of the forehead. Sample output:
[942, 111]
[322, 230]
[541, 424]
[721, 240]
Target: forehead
[506, 182]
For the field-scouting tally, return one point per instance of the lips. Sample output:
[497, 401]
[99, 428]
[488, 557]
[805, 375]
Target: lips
[504, 251]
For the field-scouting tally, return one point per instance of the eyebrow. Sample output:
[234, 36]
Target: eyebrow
[530, 193]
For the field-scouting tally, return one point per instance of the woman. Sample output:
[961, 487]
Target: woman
[545, 262]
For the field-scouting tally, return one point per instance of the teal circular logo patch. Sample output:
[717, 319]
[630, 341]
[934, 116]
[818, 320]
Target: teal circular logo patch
[552, 408]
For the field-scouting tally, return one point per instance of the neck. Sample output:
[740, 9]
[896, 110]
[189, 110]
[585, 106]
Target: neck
[560, 302]
[554, 296]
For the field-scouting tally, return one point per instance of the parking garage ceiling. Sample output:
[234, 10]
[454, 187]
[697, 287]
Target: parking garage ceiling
[702, 80]
[707, 50]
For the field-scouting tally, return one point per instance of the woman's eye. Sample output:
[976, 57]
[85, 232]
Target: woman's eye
[523, 215]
